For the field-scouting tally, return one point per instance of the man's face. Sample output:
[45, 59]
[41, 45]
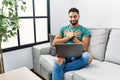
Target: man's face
[74, 18]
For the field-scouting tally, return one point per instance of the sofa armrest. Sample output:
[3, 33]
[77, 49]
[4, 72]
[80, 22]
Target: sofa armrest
[37, 51]
[45, 51]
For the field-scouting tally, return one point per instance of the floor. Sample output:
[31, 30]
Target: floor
[38, 75]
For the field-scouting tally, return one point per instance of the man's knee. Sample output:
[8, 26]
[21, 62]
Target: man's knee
[59, 60]
[87, 57]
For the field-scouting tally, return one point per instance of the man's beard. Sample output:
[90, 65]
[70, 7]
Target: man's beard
[74, 22]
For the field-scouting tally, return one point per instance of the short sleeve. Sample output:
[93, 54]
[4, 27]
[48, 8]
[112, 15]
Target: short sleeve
[61, 31]
[86, 32]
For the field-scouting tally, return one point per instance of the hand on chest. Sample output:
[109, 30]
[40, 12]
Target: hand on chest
[75, 33]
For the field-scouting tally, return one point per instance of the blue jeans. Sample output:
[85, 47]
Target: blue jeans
[69, 64]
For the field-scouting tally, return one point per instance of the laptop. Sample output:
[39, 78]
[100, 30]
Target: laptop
[69, 50]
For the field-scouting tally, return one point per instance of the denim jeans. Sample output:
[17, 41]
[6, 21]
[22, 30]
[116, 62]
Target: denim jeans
[69, 64]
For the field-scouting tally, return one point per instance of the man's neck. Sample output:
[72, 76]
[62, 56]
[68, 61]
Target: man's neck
[74, 26]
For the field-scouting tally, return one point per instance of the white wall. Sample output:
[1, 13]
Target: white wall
[18, 58]
[94, 13]
[58, 12]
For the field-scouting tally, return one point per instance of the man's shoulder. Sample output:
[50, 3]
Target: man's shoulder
[85, 31]
[83, 27]
[66, 26]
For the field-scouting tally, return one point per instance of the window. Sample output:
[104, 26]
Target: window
[34, 26]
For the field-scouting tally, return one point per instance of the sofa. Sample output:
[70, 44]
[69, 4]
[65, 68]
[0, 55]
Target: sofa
[105, 48]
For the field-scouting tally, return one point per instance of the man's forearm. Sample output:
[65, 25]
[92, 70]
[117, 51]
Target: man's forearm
[62, 40]
[75, 40]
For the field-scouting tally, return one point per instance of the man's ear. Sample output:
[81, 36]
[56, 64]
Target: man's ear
[79, 16]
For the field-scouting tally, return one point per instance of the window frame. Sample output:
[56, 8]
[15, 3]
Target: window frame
[33, 17]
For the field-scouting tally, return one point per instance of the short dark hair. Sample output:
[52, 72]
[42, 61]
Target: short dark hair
[73, 10]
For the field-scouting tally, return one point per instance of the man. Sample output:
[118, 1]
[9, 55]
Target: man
[72, 33]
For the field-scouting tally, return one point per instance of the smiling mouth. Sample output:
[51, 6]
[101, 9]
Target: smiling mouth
[73, 22]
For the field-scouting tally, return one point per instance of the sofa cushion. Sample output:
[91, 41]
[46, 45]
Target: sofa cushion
[101, 71]
[98, 42]
[69, 75]
[51, 37]
[113, 47]
[52, 48]
[47, 62]
[44, 51]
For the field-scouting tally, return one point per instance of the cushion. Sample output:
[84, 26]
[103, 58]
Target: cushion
[47, 60]
[44, 51]
[98, 41]
[69, 75]
[99, 71]
[51, 37]
[113, 47]
[52, 48]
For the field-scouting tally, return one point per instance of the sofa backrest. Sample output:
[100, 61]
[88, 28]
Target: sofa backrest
[113, 47]
[98, 42]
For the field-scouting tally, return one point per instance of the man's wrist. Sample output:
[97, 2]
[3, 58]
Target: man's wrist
[70, 38]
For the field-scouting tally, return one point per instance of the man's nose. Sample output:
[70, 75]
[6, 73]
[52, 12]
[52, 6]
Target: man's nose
[73, 18]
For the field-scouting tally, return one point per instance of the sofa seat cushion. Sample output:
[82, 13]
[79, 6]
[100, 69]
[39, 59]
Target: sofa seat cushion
[70, 75]
[47, 62]
[102, 71]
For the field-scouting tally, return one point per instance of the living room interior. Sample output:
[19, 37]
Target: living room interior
[93, 14]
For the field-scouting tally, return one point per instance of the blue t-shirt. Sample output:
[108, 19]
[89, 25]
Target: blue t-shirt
[81, 30]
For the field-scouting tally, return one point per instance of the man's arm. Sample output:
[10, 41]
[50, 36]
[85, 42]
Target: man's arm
[85, 41]
[58, 39]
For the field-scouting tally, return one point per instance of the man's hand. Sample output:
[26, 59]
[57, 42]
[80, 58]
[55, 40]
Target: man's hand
[77, 33]
[69, 34]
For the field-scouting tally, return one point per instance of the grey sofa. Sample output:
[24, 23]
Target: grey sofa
[105, 48]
